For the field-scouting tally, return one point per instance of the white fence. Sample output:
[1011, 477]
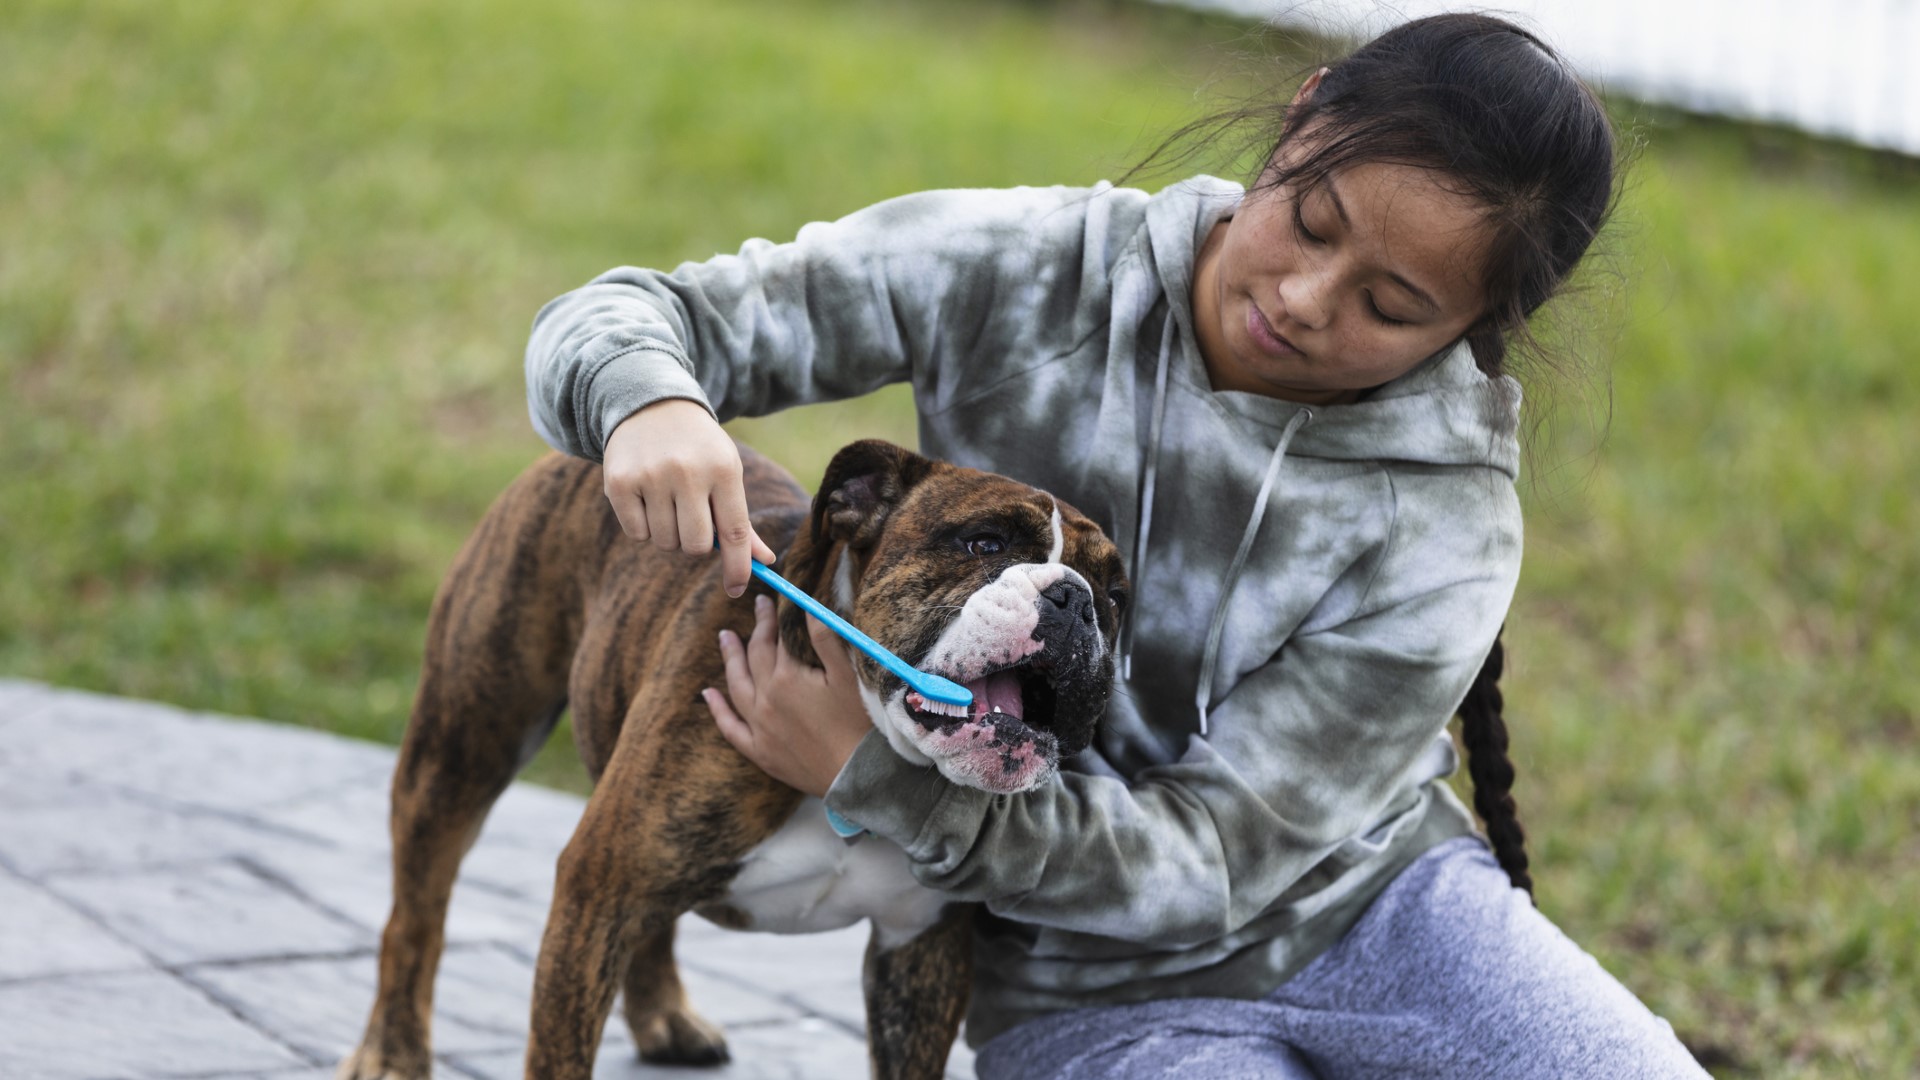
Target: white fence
[1837, 67]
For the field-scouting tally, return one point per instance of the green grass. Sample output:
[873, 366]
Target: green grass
[266, 271]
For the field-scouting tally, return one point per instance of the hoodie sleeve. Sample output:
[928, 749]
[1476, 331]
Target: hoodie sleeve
[939, 287]
[1305, 753]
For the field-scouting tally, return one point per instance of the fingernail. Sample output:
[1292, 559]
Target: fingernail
[761, 603]
[734, 593]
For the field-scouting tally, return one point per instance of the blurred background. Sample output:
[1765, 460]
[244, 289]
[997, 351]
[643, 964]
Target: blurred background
[266, 272]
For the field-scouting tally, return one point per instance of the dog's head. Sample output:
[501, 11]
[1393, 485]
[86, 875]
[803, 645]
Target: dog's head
[989, 582]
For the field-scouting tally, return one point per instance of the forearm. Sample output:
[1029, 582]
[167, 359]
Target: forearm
[1182, 855]
[960, 281]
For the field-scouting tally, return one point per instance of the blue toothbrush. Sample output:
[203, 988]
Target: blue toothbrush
[928, 685]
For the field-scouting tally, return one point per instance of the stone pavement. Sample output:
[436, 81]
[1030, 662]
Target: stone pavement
[184, 895]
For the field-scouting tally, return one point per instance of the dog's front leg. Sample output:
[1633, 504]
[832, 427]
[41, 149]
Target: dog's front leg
[916, 994]
[664, 831]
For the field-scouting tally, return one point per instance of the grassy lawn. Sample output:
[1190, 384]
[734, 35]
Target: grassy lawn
[266, 272]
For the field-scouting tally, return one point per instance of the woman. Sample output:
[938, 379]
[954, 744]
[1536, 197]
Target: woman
[1289, 404]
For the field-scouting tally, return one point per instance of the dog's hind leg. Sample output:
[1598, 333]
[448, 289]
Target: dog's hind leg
[499, 645]
[449, 776]
[664, 1025]
[916, 993]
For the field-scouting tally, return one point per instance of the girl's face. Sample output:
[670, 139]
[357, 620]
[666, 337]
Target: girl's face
[1316, 298]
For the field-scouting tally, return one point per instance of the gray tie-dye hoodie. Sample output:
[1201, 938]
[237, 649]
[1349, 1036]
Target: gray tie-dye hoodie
[1314, 590]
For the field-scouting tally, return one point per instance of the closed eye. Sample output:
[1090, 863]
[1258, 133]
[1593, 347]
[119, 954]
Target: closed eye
[1382, 316]
[1300, 225]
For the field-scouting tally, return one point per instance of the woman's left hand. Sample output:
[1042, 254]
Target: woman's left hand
[799, 723]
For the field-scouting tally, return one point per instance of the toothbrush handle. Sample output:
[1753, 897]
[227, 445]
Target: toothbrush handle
[929, 685]
[826, 615]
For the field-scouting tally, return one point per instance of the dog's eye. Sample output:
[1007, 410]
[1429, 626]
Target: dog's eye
[985, 544]
[1117, 596]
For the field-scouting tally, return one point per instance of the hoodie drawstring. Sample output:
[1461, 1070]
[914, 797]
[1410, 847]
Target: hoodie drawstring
[1146, 489]
[1203, 693]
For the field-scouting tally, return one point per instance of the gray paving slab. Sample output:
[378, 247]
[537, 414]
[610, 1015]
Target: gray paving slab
[805, 1049]
[42, 935]
[78, 734]
[211, 912]
[92, 830]
[241, 765]
[148, 1025]
[19, 699]
[357, 886]
[515, 854]
[321, 1006]
[323, 1073]
[821, 970]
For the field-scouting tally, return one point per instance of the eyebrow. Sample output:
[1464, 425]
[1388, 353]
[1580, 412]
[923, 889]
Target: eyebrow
[1340, 208]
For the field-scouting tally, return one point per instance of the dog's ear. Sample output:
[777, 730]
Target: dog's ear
[863, 484]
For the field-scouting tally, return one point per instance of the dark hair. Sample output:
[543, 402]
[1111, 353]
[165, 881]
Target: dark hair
[1496, 116]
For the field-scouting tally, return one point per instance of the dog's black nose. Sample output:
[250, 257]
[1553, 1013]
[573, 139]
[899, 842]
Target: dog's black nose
[1072, 601]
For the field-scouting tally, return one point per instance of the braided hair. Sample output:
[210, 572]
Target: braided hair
[1484, 732]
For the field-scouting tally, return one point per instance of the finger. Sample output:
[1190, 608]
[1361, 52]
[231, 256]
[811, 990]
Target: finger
[732, 728]
[834, 659]
[662, 526]
[760, 549]
[631, 512]
[763, 650]
[696, 525]
[740, 680]
[737, 538]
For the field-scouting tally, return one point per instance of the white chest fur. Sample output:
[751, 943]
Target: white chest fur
[804, 879]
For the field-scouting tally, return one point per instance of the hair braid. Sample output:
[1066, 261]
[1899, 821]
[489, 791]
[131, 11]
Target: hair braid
[1485, 734]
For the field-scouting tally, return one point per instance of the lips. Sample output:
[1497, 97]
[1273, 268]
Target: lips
[1265, 337]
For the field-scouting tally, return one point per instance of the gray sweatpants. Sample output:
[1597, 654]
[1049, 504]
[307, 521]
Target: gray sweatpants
[1451, 973]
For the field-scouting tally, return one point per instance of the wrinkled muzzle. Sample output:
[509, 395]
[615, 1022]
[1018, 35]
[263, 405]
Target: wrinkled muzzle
[1029, 647]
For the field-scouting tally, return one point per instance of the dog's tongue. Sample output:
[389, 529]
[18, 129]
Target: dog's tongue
[999, 692]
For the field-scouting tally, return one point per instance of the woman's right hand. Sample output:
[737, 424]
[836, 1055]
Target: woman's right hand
[674, 478]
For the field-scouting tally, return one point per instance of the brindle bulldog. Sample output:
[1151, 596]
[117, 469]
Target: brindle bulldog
[973, 576]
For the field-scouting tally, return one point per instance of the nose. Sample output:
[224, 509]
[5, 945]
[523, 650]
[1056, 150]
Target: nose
[1069, 601]
[1305, 296]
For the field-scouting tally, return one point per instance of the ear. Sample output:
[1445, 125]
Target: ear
[863, 484]
[1306, 90]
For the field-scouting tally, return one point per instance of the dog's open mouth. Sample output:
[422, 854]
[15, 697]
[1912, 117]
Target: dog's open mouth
[1021, 692]
[1003, 741]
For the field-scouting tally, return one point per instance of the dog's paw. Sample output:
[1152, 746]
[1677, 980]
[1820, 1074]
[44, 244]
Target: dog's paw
[680, 1037]
[367, 1063]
